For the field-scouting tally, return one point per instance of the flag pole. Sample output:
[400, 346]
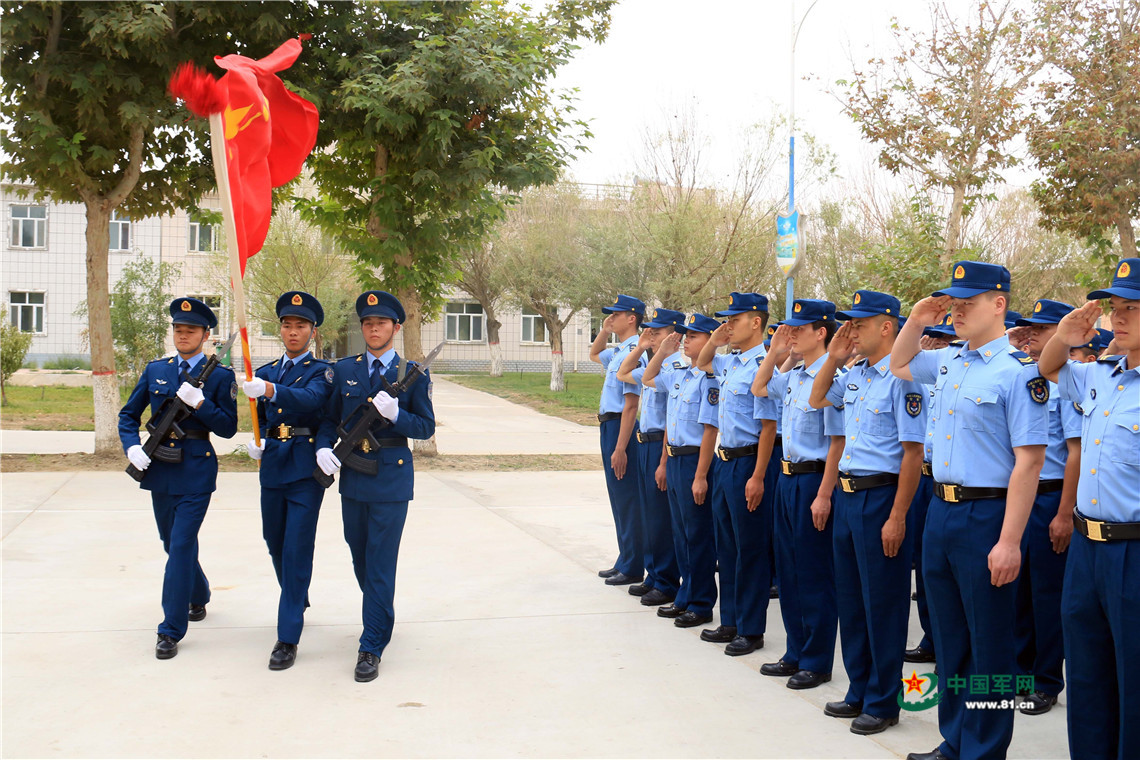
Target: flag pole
[221, 173]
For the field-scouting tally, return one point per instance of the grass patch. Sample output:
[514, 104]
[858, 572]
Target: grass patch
[578, 403]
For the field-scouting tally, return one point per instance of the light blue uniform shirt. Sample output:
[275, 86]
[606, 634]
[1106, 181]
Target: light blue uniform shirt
[192, 361]
[1109, 395]
[880, 411]
[385, 359]
[807, 431]
[768, 408]
[693, 402]
[653, 402]
[928, 407]
[737, 420]
[614, 390]
[1064, 423]
[984, 407]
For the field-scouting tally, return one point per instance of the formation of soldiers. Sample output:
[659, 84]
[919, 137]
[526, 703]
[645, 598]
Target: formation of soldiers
[822, 463]
[304, 407]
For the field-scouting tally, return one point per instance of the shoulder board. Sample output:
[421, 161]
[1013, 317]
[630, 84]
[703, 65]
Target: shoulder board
[320, 362]
[678, 365]
[163, 360]
[1022, 357]
[263, 366]
[1109, 359]
[710, 375]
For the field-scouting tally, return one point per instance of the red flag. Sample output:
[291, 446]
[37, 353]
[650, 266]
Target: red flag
[269, 131]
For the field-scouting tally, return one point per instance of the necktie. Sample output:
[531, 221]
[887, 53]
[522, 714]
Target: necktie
[285, 370]
[375, 367]
[185, 368]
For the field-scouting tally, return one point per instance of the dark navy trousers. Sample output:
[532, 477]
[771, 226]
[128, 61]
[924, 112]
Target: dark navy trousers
[915, 528]
[805, 562]
[289, 526]
[771, 494]
[693, 529]
[1040, 640]
[373, 530]
[625, 502]
[973, 624]
[661, 571]
[1100, 611]
[725, 545]
[179, 516]
[751, 535]
[873, 598]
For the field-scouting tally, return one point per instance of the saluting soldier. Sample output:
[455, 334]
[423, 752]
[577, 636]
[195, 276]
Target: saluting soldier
[991, 428]
[1100, 606]
[374, 507]
[885, 423]
[180, 491]
[291, 394]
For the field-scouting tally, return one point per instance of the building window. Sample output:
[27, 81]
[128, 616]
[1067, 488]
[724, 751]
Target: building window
[120, 232]
[533, 328]
[202, 237]
[29, 227]
[26, 311]
[464, 322]
[216, 306]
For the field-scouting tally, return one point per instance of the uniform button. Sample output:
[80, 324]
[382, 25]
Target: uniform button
[1105, 412]
[1097, 441]
[860, 398]
[876, 411]
[1093, 471]
[965, 364]
[207, 453]
[1120, 387]
[856, 419]
[948, 438]
[945, 464]
[399, 461]
[951, 411]
[978, 399]
[848, 456]
[853, 438]
[369, 399]
[310, 440]
[1136, 427]
[955, 386]
[279, 411]
[1094, 501]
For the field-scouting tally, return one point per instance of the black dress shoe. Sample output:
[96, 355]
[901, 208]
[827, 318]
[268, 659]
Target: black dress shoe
[367, 667]
[744, 645]
[284, 655]
[842, 710]
[722, 634]
[779, 668]
[197, 613]
[865, 724]
[670, 611]
[774, 592]
[934, 754]
[621, 579]
[607, 573]
[166, 647]
[807, 679]
[640, 589]
[918, 654]
[690, 619]
[656, 597]
[1038, 703]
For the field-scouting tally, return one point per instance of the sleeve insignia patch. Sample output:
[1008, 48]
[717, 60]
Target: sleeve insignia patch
[1038, 389]
[233, 391]
[714, 396]
[914, 404]
[328, 374]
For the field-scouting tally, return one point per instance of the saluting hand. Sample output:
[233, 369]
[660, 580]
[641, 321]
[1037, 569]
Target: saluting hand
[1078, 327]
[842, 347]
[930, 343]
[719, 336]
[1018, 336]
[645, 340]
[781, 340]
[929, 311]
[608, 324]
[671, 343]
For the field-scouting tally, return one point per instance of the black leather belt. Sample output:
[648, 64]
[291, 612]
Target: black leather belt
[385, 443]
[954, 493]
[801, 468]
[928, 469]
[652, 435]
[1099, 530]
[680, 451]
[285, 432]
[191, 435]
[727, 455]
[609, 416]
[1050, 486]
[852, 483]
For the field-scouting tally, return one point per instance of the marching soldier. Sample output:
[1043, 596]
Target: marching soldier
[291, 394]
[180, 491]
[617, 417]
[813, 443]
[991, 428]
[375, 506]
[1099, 605]
[881, 466]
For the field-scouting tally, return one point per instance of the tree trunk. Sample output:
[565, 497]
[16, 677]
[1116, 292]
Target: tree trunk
[1127, 238]
[104, 379]
[557, 371]
[493, 344]
[954, 226]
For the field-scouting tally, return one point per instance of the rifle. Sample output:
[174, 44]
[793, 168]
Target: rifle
[361, 429]
[164, 423]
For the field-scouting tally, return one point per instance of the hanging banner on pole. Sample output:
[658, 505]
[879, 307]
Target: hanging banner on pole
[789, 242]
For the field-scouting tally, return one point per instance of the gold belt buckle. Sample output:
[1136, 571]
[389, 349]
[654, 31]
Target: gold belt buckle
[721, 455]
[785, 467]
[284, 432]
[848, 485]
[1096, 530]
[950, 493]
[670, 450]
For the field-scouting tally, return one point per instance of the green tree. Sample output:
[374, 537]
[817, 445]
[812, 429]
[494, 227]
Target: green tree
[14, 345]
[85, 85]
[441, 111]
[140, 321]
[1087, 139]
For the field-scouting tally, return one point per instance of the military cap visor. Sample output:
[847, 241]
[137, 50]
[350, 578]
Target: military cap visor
[807, 311]
[664, 318]
[378, 303]
[191, 311]
[870, 303]
[698, 323]
[742, 303]
[972, 278]
[625, 303]
[296, 303]
[1125, 283]
[1045, 312]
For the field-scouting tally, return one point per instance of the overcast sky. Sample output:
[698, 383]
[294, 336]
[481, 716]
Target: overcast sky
[730, 58]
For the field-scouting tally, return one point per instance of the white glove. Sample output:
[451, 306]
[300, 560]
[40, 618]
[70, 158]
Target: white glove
[191, 395]
[254, 448]
[388, 407]
[254, 388]
[328, 462]
[138, 457]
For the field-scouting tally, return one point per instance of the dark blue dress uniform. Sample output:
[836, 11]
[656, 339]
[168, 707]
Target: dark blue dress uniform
[1100, 606]
[988, 400]
[661, 571]
[625, 499]
[180, 493]
[880, 412]
[290, 497]
[1040, 643]
[375, 507]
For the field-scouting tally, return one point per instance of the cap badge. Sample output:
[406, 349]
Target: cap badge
[798, 308]
[858, 297]
[654, 314]
[186, 306]
[960, 272]
[296, 299]
[372, 300]
[1036, 307]
[692, 319]
[1124, 270]
[730, 300]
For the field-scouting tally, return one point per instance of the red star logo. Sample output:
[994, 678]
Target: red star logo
[914, 683]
